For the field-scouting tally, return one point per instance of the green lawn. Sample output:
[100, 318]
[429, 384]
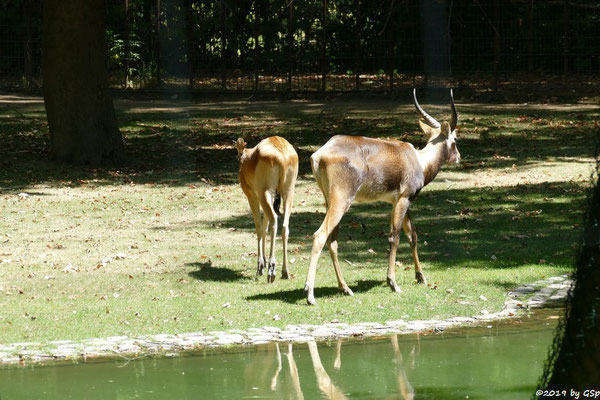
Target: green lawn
[165, 244]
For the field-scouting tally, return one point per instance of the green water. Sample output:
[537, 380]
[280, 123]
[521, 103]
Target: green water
[501, 362]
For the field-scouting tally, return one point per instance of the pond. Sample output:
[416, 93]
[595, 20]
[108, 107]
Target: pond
[502, 361]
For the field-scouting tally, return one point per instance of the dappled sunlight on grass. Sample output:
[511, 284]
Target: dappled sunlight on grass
[166, 242]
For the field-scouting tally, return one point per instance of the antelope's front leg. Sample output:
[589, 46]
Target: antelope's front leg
[398, 213]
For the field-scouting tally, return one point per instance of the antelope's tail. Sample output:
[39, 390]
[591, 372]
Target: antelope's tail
[277, 203]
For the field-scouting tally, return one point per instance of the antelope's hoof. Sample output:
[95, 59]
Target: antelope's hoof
[287, 275]
[420, 278]
[261, 268]
[393, 285]
[271, 272]
[347, 291]
[310, 296]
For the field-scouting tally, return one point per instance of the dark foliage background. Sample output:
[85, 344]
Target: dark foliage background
[301, 45]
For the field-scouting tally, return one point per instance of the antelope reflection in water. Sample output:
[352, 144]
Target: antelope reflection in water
[285, 382]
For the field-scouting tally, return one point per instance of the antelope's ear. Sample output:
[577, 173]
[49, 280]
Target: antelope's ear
[446, 129]
[240, 145]
[427, 130]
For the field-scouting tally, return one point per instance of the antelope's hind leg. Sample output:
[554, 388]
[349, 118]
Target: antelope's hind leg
[332, 219]
[398, 213]
[255, 209]
[411, 235]
[333, 251]
[285, 232]
[269, 223]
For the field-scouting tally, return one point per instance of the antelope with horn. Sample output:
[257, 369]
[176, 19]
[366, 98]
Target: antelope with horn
[268, 175]
[349, 168]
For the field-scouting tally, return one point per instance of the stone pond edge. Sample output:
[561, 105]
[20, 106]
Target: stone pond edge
[531, 295]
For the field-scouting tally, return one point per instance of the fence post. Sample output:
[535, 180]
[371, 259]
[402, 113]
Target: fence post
[357, 48]
[27, 51]
[324, 45]
[223, 45]
[257, 16]
[389, 36]
[530, 38]
[565, 39]
[290, 40]
[126, 43]
[157, 72]
[497, 44]
[191, 43]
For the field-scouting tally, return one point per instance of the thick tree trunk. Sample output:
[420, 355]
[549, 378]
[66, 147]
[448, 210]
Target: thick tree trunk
[81, 117]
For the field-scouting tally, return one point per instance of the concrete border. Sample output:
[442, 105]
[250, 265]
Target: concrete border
[531, 295]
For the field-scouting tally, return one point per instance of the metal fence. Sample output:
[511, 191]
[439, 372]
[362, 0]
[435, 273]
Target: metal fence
[325, 45]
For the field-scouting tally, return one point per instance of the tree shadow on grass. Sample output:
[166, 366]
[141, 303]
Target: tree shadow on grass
[181, 143]
[294, 295]
[207, 272]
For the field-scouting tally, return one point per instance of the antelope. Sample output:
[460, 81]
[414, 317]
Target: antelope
[268, 175]
[349, 168]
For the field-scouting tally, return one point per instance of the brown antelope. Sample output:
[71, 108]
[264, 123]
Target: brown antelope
[349, 168]
[267, 171]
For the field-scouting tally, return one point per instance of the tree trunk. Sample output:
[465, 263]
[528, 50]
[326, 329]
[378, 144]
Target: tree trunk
[81, 118]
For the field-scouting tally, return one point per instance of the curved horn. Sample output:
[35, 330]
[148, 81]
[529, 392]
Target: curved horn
[454, 118]
[427, 117]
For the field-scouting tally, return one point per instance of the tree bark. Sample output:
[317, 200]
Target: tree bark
[81, 118]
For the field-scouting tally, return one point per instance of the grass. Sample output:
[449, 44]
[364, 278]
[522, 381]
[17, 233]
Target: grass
[165, 244]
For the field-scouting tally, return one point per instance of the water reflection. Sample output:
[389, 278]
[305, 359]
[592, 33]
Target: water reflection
[486, 364]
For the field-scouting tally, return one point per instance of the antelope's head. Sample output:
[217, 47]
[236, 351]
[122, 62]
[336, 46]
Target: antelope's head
[240, 145]
[437, 132]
